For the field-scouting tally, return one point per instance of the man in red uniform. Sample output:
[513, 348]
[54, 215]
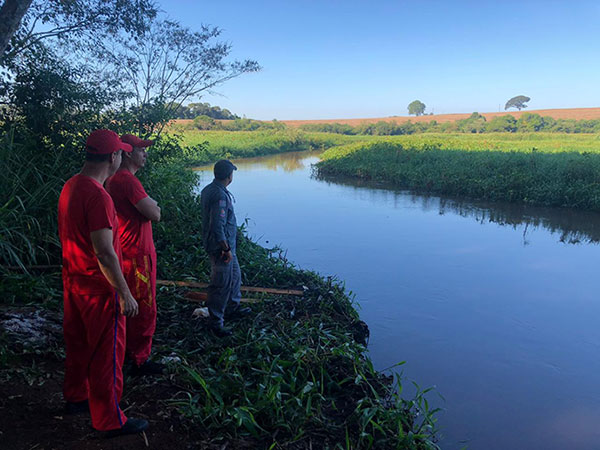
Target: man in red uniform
[136, 211]
[96, 295]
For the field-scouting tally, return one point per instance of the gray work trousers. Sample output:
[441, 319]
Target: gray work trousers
[224, 293]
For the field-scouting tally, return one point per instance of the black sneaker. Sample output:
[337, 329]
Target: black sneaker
[238, 313]
[73, 408]
[220, 331]
[132, 426]
[147, 368]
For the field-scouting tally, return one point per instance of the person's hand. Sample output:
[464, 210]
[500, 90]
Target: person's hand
[129, 307]
[227, 256]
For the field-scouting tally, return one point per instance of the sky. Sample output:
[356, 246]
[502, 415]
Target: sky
[356, 59]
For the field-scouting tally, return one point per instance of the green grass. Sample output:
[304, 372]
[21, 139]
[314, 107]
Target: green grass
[548, 170]
[208, 146]
[505, 142]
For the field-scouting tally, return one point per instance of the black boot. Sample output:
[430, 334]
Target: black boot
[238, 313]
[147, 368]
[132, 426]
[220, 331]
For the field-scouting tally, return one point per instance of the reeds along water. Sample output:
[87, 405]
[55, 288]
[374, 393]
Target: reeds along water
[559, 178]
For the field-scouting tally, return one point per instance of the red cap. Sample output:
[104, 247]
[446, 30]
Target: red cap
[103, 142]
[135, 141]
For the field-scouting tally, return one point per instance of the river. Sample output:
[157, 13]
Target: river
[494, 305]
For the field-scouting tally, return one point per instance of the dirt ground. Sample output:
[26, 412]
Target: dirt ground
[32, 409]
[32, 417]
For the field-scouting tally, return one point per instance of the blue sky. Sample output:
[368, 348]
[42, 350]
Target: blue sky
[354, 59]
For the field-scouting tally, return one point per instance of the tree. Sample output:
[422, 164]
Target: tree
[417, 108]
[505, 123]
[474, 124]
[11, 13]
[517, 102]
[530, 122]
[80, 21]
[168, 65]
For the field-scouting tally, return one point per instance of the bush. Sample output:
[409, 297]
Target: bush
[506, 123]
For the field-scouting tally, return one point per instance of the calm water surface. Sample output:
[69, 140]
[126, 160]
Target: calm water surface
[497, 306]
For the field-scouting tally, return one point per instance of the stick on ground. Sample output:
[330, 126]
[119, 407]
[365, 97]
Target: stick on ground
[195, 284]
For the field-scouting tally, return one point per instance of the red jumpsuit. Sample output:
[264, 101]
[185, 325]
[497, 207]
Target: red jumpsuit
[139, 261]
[94, 330]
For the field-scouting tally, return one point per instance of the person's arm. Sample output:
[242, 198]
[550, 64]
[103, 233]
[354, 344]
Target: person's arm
[102, 241]
[218, 212]
[149, 208]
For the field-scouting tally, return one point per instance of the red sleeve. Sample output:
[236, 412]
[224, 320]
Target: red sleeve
[135, 191]
[100, 212]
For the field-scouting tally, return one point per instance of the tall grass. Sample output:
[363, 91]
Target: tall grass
[552, 178]
[29, 187]
[206, 146]
[506, 142]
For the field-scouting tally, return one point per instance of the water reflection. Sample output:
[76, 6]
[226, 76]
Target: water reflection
[572, 226]
[288, 162]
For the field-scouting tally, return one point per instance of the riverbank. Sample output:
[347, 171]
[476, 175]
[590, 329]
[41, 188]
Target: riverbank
[556, 173]
[204, 146]
[295, 375]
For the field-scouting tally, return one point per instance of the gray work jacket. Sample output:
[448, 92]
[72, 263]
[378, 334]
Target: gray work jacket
[218, 218]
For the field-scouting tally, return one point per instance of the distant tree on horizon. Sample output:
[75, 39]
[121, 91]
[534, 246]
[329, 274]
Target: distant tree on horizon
[417, 108]
[517, 102]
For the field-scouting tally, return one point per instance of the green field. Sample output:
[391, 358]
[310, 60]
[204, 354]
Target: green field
[241, 144]
[207, 146]
[506, 142]
[541, 169]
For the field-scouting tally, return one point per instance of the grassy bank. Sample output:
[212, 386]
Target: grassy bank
[505, 142]
[293, 376]
[205, 146]
[534, 169]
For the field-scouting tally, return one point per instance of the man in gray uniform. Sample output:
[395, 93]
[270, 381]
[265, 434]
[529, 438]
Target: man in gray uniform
[219, 230]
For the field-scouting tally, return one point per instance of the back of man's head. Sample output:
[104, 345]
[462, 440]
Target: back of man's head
[223, 169]
[100, 144]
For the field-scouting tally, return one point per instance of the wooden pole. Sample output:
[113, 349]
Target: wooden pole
[192, 284]
[195, 284]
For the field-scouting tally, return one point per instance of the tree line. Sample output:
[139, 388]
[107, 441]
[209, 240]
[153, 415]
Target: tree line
[193, 110]
[417, 107]
[208, 123]
[476, 123]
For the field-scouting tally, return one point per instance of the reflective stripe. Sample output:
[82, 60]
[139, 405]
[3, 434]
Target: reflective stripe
[144, 278]
[137, 280]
